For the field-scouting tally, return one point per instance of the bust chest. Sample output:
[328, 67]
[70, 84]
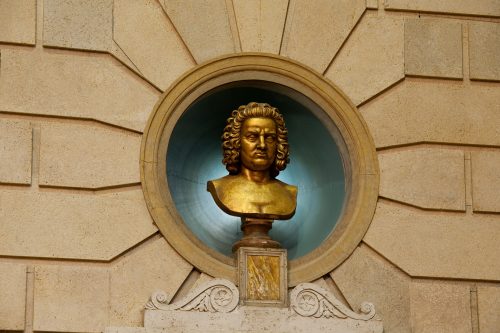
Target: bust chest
[236, 196]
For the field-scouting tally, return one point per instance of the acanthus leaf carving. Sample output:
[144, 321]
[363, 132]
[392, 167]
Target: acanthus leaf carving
[217, 295]
[310, 300]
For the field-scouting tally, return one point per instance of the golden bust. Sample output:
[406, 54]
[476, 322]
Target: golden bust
[255, 146]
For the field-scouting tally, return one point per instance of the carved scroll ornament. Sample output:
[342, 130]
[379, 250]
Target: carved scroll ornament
[310, 300]
[217, 295]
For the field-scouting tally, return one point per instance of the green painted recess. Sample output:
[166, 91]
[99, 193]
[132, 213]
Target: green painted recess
[194, 156]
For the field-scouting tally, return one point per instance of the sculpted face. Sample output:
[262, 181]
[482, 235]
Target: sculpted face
[258, 143]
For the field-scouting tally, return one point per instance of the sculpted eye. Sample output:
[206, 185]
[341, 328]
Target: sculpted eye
[270, 138]
[251, 137]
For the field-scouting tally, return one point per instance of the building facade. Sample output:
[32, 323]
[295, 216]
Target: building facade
[79, 250]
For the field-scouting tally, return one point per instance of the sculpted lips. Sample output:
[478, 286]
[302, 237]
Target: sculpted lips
[260, 154]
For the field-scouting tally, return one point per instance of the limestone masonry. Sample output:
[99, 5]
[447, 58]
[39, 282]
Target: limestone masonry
[79, 251]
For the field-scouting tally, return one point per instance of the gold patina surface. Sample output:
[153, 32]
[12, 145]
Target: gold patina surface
[255, 150]
[238, 196]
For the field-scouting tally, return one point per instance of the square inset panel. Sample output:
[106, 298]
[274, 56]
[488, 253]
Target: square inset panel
[262, 276]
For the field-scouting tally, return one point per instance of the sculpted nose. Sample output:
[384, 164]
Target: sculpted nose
[262, 142]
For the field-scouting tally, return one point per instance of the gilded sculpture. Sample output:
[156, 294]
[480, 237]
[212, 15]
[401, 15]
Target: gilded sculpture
[255, 148]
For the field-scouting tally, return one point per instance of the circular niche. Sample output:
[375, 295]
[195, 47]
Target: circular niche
[332, 156]
[194, 156]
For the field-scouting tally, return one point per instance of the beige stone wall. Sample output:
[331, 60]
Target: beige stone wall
[78, 79]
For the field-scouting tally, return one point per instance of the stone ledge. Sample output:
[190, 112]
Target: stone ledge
[249, 319]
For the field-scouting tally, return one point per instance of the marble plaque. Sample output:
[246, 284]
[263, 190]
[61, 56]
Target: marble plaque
[262, 276]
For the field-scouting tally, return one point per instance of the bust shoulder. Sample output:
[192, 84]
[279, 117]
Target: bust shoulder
[291, 188]
[238, 196]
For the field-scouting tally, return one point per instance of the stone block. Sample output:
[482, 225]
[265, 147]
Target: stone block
[433, 48]
[75, 225]
[153, 266]
[118, 53]
[437, 244]
[484, 47]
[260, 24]
[465, 7]
[75, 24]
[71, 298]
[149, 39]
[59, 83]
[315, 30]
[203, 25]
[424, 177]
[329, 284]
[486, 181]
[372, 4]
[248, 320]
[365, 277]
[440, 307]
[488, 298]
[88, 156]
[443, 112]
[18, 21]
[203, 278]
[192, 281]
[15, 152]
[323, 284]
[12, 296]
[372, 58]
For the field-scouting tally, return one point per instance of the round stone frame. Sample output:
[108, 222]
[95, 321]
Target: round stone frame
[358, 153]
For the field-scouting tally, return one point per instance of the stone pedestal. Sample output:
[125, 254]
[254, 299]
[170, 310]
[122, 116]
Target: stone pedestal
[256, 234]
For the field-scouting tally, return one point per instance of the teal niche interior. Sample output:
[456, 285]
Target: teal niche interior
[194, 156]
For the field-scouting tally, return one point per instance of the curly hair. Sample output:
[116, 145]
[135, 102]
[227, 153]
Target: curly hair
[231, 136]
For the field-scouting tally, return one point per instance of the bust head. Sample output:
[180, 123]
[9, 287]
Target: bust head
[256, 137]
[255, 148]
